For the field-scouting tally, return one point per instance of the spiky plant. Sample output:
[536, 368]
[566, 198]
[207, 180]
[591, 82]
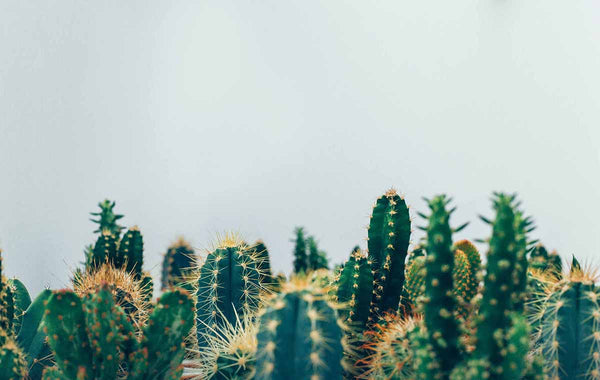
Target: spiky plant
[300, 336]
[300, 255]
[102, 343]
[442, 330]
[107, 219]
[129, 293]
[228, 285]
[178, 264]
[264, 263]
[392, 348]
[389, 237]
[568, 326]
[354, 289]
[130, 255]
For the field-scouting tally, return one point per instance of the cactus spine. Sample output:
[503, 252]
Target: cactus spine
[228, 287]
[299, 337]
[389, 237]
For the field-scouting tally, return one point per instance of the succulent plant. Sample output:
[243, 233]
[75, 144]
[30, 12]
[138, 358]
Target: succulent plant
[354, 289]
[107, 219]
[178, 263]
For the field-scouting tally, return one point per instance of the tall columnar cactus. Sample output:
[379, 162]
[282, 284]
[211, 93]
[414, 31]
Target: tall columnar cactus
[107, 219]
[13, 365]
[569, 328]
[93, 339]
[299, 337]
[495, 324]
[300, 256]
[7, 303]
[354, 288]
[131, 252]
[389, 237]
[317, 259]
[542, 261]
[177, 265]
[228, 287]
[442, 328]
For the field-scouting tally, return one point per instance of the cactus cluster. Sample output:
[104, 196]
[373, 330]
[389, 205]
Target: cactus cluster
[437, 313]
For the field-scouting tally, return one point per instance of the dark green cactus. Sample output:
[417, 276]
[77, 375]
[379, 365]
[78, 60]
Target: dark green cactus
[147, 286]
[440, 305]
[474, 267]
[177, 264]
[299, 338]
[7, 303]
[354, 288]
[104, 251]
[131, 252]
[263, 263]
[317, 259]
[389, 237]
[300, 256]
[93, 338]
[107, 219]
[22, 300]
[13, 365]
[228, 287]
[569, 329]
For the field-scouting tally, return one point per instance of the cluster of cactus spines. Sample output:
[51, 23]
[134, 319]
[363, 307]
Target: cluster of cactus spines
[228, 286]
[388, 241]
[107, 219]
[92, 338]
[354, 289]
[393, 350]
[568, 328]
[440, 305]
[178, 262]
[230, 354]
[300, 337]
[130, 293]
[541, 260]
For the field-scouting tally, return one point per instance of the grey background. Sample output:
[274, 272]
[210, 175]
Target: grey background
[257, 116]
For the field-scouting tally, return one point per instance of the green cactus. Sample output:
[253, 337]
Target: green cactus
[130, 254]
[104, 251]
[393, 351]
[147, 287]
[107, 219]
[354, 288]
[299, 337]
[547, 263]
[13, 365]
[263, 263]
[228, 286]
[474, 259]
[441, 326]
[317, 259]
[7, 303]
[300, 256]
[177, 265]
[22, 300]
[389, 237]
[93, 338]
[569, 328]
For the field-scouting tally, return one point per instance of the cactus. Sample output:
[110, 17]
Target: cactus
[568, 332]
[389, 237]
[441, 327]
[393, 351]
[177, 264]
[231, 354]
[131, 252]
[299, 336]
[129, 293]
[107, 347]
[104, 251]
[474, 259]
[21, 299]
[13, 365]
[107, 219]
[354, 288]
[263, 263]
[300, 257]
[228, 285]
[541, 260]
[317, 259]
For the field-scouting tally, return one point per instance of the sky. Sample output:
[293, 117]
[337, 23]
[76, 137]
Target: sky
[200, 117]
